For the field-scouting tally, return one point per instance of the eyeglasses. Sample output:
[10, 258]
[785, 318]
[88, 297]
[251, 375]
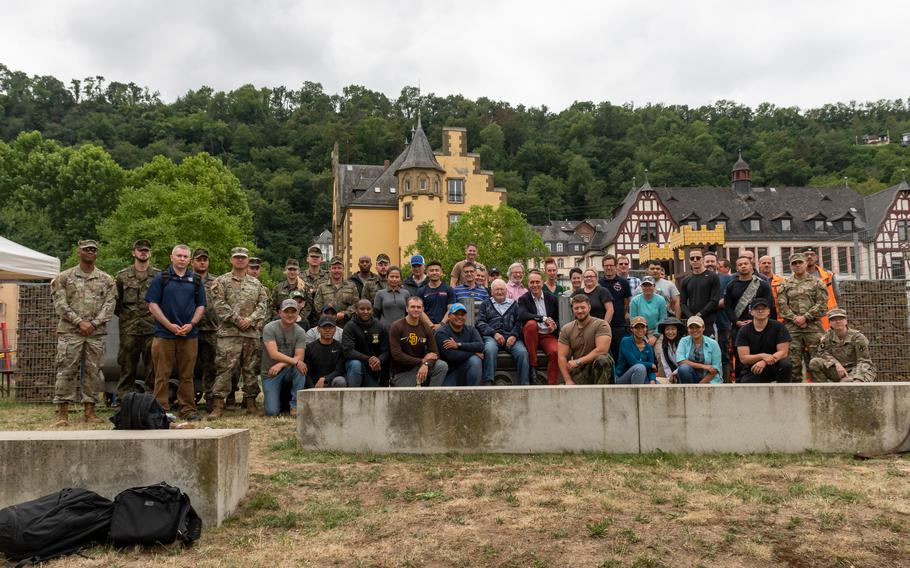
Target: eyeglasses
[90, 249]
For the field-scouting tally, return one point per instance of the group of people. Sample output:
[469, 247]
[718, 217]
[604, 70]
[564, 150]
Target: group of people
[317, 329]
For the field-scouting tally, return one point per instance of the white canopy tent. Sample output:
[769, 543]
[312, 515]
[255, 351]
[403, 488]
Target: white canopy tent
[22, 263]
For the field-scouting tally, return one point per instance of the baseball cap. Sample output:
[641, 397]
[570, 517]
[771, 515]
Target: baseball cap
[647, 280]
[240, 251]
[759, 302]
[200, 252]
[325, 321]
[314, 250]
[292, 263]
[254, 262]
[495, 270]
[383, 257]
[336, 260]
[329, 309]
[297, 294]
[797, 257]
[457, 307]
[289, 304]
[417, 260]
[638, 320]
[142, 244]
[88, 243]
[695, 320]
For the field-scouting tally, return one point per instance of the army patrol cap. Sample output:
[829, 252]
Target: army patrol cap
[289, 305]
[797, 257]
[297, 294]
[314, 250]
[836, 313]
[383, 257]
[200, 252]
[142, 244]
[254, 262]
[240, 251]
[326, 321]
[292, 263]
[87, 243]
[336, 260]
[637, 321]
[695, 320]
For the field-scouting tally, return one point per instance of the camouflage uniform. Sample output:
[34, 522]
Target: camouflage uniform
[343, 296]
[137, 327]
[81, 296]
[236, 297]
[283, 291]
[807, 297]
[313, 281]
[372, 287]
[852, 352]
[207, 345]
[598, 372]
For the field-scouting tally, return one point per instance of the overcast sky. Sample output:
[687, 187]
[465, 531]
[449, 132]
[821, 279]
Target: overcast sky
[531, 52]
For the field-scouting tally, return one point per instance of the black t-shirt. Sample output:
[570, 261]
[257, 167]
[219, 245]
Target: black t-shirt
[764, 341]
[599, 298]
[620, 289]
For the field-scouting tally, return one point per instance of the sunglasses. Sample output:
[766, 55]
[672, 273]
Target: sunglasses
[90, 249]
[694, 258]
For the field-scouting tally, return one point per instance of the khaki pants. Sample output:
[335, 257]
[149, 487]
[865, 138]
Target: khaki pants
[166, 354]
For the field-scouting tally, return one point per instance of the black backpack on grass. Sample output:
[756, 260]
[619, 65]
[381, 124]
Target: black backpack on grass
[54, 525]
[140, 411]
[154, 514]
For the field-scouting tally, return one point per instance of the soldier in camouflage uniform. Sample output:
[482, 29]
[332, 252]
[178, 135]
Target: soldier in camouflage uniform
[283, 289]
[136, 322]
[313, 275]
[843, 354]
[84, 298]
[242, 305]
[802, 300]
[204, 373]
[336, 291]
[371, 288]
[364, 279]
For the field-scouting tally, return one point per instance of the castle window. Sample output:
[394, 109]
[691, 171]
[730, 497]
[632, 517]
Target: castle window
[453, 218]
[408, 212]
[456, 190]
[407, 185]
[423, 184]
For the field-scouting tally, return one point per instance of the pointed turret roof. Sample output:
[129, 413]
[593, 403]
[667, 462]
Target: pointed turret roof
[418, 153]
[740, 163]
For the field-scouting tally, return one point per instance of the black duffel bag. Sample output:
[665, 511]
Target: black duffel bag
[140, 411]
[154, 514]
[54, 525]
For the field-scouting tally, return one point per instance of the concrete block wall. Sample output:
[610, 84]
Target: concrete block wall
[617, 419]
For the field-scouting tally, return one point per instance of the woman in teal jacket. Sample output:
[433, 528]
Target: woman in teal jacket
[698, 356]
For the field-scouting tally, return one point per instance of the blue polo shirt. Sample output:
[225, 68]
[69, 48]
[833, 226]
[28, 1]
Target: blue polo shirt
[178, 300]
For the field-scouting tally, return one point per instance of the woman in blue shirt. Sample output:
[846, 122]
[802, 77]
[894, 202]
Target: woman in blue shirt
[650, 306]
[636, 356]
[698, 356]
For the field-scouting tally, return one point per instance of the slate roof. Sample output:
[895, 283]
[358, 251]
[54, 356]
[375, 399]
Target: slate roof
[740, 164]
[877, 205]
[801, 204]
[418, 154]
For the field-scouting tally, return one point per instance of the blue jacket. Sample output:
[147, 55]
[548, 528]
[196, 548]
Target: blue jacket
[629, 355]
[489, 322]
[712, 354]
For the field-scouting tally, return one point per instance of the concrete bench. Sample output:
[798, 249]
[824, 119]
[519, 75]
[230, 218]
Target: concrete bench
[787, 418]
[211, 466]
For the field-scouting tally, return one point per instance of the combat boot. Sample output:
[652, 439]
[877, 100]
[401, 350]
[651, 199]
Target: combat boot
[90, 415]
[62, 416]
[217, 409]
[250, 405]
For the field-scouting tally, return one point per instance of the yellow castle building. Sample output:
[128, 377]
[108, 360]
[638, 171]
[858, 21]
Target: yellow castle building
[378, 209]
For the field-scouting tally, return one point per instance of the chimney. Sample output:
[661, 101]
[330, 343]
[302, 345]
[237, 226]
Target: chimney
[385, 165]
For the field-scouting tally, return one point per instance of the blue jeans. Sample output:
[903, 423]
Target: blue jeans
[688, 375]
[518, 352]
[271, 389]
[634, 375]
[464, 374]
[359, 374]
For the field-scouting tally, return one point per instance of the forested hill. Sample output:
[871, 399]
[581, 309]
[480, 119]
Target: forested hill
[571, 163]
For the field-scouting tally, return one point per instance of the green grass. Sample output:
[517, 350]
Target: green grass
[262, 502]
[599, 529]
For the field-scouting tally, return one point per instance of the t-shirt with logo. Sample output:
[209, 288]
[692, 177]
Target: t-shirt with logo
[409, 344]
[620, 289]
[436, 301]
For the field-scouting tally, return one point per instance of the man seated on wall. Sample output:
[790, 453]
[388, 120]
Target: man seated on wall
[461, 347]
[324, 358]
[500, 326]
[763, 347]
[283, 343]
[584, 347]
[539, 313]
[365, 344]
[415, 356]
[843, 354]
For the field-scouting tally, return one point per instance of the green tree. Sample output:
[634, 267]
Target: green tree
[502, 236]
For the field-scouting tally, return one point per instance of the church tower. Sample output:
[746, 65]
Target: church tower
[742, 177]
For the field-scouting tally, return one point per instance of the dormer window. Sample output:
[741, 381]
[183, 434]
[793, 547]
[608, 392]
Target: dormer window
[819, 224]
[847, 225]
[693, 225]
[754, 225]
[559, 247]
[786, 225]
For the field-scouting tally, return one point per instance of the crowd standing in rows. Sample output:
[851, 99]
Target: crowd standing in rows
[209, 335]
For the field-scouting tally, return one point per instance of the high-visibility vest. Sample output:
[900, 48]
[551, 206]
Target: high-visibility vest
[828, 280]
[776, 282]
